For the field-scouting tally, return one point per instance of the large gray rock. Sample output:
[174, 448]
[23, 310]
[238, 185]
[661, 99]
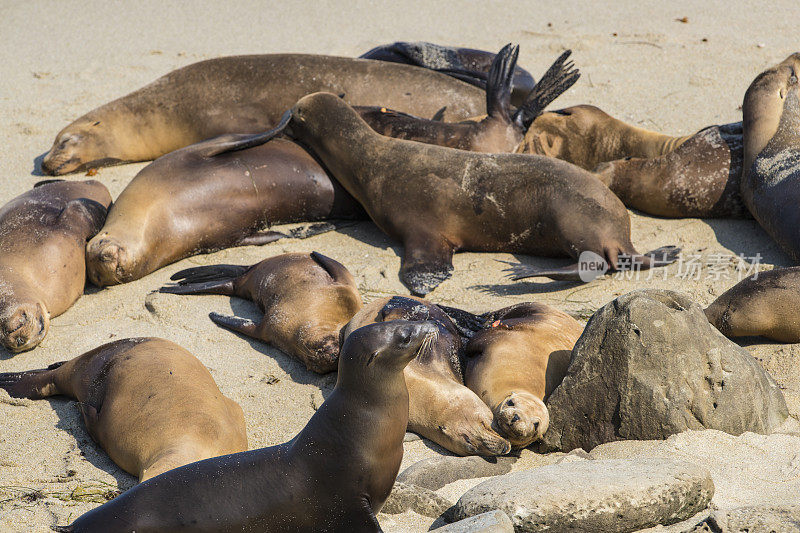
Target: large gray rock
[405, 497]
[614, 495]
[491, 522]
[649, 365]
[436, 472]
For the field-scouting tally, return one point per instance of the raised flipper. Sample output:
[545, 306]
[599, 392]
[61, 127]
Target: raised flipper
[234, 142]
[467, 323]
[439, 115]
[558, 78]
[245, 326]
[334, 268]
[498, 85]
[83, 213]
[427, 262]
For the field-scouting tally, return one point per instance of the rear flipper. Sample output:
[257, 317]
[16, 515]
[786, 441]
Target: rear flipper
[337, 271]
[301, 232]
[213, 279]
[466, 323]
[498, 85]
[33, 384]
[426, 264]
[244, 326]
[558, 78]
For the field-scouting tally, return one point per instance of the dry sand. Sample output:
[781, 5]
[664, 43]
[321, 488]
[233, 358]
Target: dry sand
[60, 60]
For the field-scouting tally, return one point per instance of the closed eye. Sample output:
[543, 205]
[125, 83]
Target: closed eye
[372, 357]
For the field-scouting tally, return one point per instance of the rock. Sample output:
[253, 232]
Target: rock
[578, 454]
[411, 437]
[436, 472]
[491, 522]
[615, 495]
[405, 497]
[755, 520]
[649, 365]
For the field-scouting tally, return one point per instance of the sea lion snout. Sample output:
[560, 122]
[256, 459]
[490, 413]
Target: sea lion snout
[62, 157]
[522, 418]
[106, 261]
[25, 328]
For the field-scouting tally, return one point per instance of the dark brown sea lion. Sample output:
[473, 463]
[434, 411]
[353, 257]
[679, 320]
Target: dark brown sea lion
[466, 64]
[203, 198]
[764, 304]
[306, 300]
[437, 200]
[770, 183]
[244, 94]
[43, 235]
[516, 362]
[441, 408]
[334, 475]
[150, 404]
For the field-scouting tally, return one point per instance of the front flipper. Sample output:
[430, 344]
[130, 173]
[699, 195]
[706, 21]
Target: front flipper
[517, 271]
[86, 215]
[260, 238]
[361, 519]
[427, 262]
[244, 326]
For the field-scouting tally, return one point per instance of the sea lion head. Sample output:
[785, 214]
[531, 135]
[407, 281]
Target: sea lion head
[83, 144]
[386, 346]
[522, 418]
[23, 326]
[108, 261]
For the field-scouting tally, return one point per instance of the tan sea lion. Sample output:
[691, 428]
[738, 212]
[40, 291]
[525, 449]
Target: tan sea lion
[43, 235]
[437, 200]
[770, 183]
[150, 404]
[764, 304]
[306, 300]
[334, 475]
[516, 362]
[244, 94]
[441, 408]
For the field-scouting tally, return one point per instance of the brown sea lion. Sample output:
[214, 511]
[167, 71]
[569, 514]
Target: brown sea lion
[467, 64]
[437, 200]
[441, 408]
[516, 362]
[764, 304]
[204, 198]
[150, 404]
[244, 94]
[334, 475]
[770, 183]
[43, 235]
[306, 300]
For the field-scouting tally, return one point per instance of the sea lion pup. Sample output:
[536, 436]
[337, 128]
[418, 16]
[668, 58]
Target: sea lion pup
[516, 362]
[698, 179]
[334, 475]
[466, 64]
[764, 304]
[244, 94]
[204, 198]
[502, 129]
[43, 235]
[437, 200]
[771, 177]
[150, 404]
[306, 300]
[441, 408]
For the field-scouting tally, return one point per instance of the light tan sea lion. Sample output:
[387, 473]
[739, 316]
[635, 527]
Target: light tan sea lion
[43, 235]
[441, 408]
[306, 300]
[150, 404]
[516, 362]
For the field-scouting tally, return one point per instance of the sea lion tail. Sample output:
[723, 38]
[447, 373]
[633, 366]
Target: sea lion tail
[33, 384]
[559, 77]
[500, 81]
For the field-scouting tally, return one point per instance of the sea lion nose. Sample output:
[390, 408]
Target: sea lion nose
[516, 417]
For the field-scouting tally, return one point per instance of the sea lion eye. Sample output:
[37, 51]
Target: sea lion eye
[96, 123]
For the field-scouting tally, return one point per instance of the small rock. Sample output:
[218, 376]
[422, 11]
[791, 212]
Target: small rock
[578, 454]
[491, 522]
[753, 520]
[615, 495]
[411, 437]
[405, 497]
[436, 472]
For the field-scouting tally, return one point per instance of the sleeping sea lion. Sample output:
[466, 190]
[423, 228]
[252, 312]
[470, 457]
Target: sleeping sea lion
[441, 408]
[334, 475]
[306, 300]
[43, 235]
[150, 404]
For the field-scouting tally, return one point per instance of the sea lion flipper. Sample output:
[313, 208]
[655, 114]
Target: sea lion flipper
[439, 115]
[244, 326]
[334, 268]
[466, 323]
[426, 264]
[224, 287]
[517, 271]
[84, 213]
[558, 78]
[260, 238]
[235, 142]
[500, 81]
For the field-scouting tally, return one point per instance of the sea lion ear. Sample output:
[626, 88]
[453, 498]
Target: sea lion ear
[84, 213]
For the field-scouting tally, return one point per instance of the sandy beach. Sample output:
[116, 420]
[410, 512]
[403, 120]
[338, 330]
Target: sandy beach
[673, 67]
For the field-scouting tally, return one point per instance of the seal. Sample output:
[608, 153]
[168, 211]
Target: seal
[150, 404]
[771, 176]
[466, 64]
[437, 200]
[334, 475]
[244, 94]
[302, 327]
[43, 235]
[516, 362]
[204, 198]
[441, 408]
[764, 304]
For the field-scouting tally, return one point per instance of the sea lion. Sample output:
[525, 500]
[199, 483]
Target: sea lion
[334, 475]
[699, 179]
[441, 408]
[150, 404]
[244, 94]
[204, 198]
[516, 362]
[466, 64]
[437, 200]
[306, 300]
[771, 176]
[43, 235]
[764, 304]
